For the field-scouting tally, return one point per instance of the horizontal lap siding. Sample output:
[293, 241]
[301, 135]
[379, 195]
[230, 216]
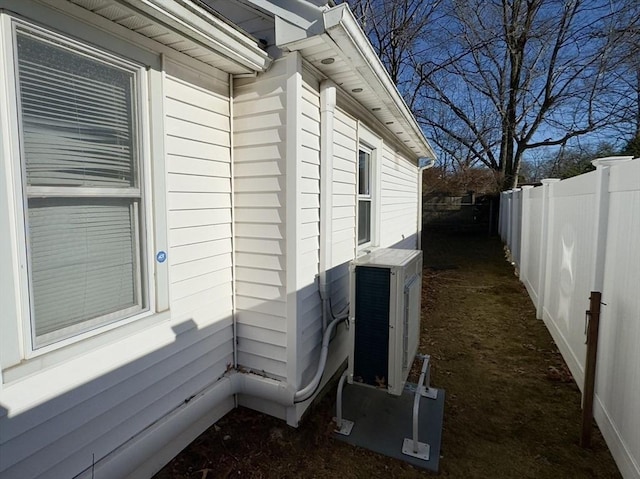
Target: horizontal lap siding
[398, 201]
[99, 416]
[157, 369]
[310, 312]
[259, 189]
[345, 153]
[199, 196]
[198, 152]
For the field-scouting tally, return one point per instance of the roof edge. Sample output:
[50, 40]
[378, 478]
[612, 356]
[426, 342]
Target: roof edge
[189, 18]
[341, 18]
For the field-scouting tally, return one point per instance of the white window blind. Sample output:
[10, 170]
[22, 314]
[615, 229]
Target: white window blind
[84, 219]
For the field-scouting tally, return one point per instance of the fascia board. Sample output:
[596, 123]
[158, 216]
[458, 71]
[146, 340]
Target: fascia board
[358, 111]
[196, 23]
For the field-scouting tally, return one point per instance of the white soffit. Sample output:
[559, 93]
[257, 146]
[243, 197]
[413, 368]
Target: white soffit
[187, 28]
[359, 72]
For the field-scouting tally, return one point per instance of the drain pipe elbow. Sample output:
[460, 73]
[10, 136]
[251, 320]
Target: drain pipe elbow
[282, 392]
[263, 387]
[306, 392]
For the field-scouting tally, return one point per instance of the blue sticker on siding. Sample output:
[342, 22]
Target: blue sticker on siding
[161, 257]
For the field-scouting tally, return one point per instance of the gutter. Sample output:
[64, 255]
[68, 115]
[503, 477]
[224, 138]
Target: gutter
[205, 28]
[338, 29]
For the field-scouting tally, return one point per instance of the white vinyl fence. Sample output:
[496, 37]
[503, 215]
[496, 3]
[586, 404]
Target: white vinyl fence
[568, 238]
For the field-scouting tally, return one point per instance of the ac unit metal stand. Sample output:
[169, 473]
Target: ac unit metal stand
[344, 426]
[413, 447]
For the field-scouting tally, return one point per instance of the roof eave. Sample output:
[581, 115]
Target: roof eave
[345, 38]
[200, 24]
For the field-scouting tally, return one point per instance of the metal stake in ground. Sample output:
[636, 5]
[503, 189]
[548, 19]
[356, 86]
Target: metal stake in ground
[593, 319]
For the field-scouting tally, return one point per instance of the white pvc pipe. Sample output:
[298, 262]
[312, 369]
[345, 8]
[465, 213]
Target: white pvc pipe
[327, 112]
[263, 387]
[306, 392]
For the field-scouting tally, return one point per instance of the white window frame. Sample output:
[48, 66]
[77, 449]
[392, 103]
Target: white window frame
[17, 352]
[367, 197]
[371, 144]
[141, 286]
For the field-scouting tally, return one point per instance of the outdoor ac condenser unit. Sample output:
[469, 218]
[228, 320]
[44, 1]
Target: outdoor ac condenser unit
[385, 317]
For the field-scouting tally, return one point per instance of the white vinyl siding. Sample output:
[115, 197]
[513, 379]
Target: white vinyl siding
[199, 194]
[198, 159]
[68, 415]
[343, 249]
[61, 437]
[310, 310]
[398, 201]
[259, 188]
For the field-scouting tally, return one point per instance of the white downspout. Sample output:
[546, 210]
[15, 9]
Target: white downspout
[420, 200]
[233, 228]
[327, 113]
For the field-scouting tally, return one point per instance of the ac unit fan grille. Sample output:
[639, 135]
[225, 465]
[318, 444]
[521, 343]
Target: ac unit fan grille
[371, 348]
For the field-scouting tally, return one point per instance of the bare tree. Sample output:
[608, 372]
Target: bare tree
[397, 29]
[527, 74]
[491, 80]
[625, 36]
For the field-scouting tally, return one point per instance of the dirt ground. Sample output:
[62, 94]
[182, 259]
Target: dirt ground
[512, 409]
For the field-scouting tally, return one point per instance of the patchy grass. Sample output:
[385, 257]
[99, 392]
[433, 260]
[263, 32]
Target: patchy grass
[512, 409]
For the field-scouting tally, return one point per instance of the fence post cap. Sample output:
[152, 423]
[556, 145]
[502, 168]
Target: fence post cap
[547, 181]
[610, 161]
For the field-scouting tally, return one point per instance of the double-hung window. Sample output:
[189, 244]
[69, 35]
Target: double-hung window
[80, 144]
[365, 197]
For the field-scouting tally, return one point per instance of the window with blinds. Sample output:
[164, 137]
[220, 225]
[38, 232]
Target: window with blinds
[81, 177]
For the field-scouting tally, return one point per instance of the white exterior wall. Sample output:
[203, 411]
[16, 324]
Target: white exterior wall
[199, 196]
[310, 309]
[277, 227]
[235, 208]
[89, 405]
[344, 241]
[277, 213]
[259, 108]
[398, 201]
